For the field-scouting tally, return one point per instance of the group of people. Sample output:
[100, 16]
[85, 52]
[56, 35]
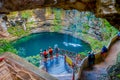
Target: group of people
[49, 52]
[91, 56]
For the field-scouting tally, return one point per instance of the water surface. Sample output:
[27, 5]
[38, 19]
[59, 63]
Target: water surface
[31, 45]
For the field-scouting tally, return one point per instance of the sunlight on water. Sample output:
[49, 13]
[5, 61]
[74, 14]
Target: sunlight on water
[71, 44]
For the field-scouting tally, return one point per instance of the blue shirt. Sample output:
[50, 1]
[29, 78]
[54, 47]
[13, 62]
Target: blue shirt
[119, 34]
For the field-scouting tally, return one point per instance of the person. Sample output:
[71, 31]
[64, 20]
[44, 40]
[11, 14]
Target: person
[104, 52]
[56, 49]
[92, 58]
[118, 35]
[89, 59]
[45, 66]
[45, 54]
[51, 52]
[78, 58]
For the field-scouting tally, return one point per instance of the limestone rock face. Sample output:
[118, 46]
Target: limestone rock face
[109, 9]
[106, 7]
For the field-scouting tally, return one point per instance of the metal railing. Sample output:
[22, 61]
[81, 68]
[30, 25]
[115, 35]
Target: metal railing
[68, 53]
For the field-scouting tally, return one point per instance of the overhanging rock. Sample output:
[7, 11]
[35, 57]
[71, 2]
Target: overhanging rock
[101, 8]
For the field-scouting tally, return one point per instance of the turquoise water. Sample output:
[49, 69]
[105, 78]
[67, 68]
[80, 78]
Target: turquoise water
[31, 45]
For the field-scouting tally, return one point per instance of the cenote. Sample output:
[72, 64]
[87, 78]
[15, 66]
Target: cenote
[30, 45]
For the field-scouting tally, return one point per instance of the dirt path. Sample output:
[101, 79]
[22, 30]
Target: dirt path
[99, 70]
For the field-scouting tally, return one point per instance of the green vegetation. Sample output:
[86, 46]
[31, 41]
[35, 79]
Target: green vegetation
[86, 28]
[26, 14]
[114, 70]
[57, 28]
[5, 46]
[118, 76]
[83, 54]
[57, 20]
[107, 32]
[34, 59]
[96, 44]
[18, 31]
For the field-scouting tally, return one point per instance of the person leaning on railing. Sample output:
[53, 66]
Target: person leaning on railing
[78, 58]
[45, 54]
[56, 50]
[50, 52]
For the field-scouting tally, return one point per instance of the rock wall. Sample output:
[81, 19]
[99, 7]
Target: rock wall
[108, 9]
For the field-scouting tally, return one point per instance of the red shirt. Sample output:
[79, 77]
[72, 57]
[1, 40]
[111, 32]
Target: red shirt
[50, 50]
[45, 53]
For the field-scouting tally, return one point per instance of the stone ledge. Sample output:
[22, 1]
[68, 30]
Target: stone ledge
[24, 65]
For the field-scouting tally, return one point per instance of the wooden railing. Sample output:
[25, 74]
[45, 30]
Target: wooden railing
[97, 57]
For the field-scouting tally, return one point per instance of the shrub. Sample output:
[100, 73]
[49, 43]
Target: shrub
[6, 46]
[17, 31]
[35, 60]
